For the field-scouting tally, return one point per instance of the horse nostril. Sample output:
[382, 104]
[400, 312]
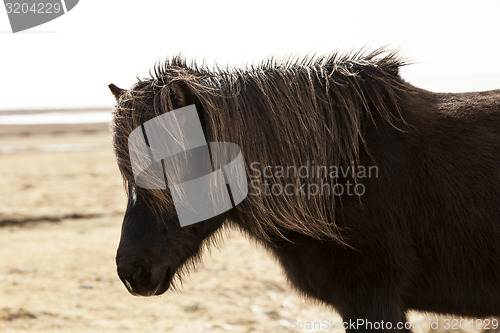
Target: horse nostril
[125, 272]
[141, 274]
[135, 277]
[128, 285]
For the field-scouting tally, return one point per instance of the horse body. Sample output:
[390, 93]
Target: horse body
[425, 235]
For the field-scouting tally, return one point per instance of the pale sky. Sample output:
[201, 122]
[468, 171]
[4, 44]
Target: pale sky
[69, 62]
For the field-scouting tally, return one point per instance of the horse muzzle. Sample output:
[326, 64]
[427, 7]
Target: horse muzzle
[142, 279]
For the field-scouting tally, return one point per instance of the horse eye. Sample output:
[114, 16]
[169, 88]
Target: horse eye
[133, 194]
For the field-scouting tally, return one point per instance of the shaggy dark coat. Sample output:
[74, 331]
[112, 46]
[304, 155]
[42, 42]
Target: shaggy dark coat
[425, 235]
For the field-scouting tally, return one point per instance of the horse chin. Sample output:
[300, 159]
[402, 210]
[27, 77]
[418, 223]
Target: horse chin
[165, 283]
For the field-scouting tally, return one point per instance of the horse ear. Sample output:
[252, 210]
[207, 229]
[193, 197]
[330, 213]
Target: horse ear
[117, 92]
[181, 94]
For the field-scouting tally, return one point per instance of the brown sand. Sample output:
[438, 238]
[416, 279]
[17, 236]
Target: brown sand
[60, 217]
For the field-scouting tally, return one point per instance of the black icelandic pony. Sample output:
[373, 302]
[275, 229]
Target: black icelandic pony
[424, 234]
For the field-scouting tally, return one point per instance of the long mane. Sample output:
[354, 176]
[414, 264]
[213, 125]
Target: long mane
[279, 113]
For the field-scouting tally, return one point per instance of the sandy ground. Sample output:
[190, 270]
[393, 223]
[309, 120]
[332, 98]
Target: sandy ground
[60, 218]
